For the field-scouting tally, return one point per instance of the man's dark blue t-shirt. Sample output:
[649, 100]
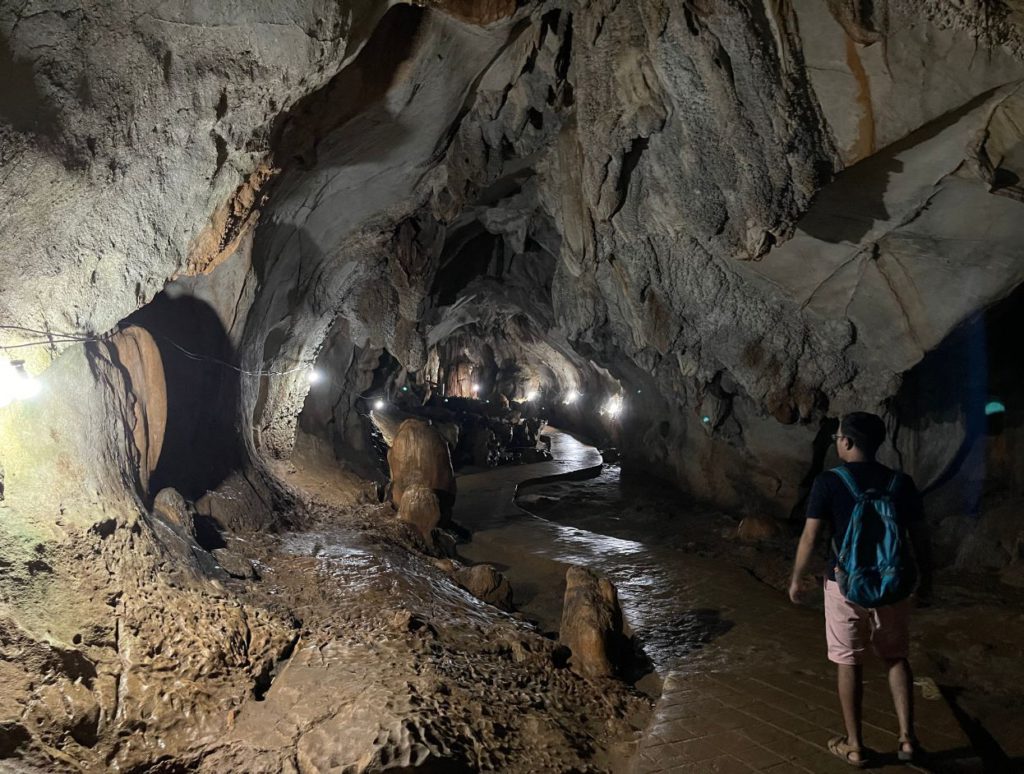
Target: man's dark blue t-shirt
[831, 501]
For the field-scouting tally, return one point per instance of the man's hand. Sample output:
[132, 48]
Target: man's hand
[796, 591]
[803, 556]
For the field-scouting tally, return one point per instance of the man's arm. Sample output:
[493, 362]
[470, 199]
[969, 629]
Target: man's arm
[808, 539]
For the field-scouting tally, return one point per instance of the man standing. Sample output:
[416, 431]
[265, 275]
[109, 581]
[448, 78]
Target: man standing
[849, 627]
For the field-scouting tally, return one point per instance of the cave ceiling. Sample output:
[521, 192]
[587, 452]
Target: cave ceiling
[775, 210]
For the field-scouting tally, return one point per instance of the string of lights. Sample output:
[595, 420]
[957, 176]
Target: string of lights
[59, 337]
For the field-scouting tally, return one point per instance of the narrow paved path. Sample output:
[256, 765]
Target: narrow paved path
[747, 687]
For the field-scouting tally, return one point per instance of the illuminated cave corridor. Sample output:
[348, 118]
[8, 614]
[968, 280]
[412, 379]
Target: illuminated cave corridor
[441, 386]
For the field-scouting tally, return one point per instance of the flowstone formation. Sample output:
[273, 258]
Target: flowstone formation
[697, 231]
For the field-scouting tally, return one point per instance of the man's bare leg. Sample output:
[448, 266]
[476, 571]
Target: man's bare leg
[851, 698]
[901, 684]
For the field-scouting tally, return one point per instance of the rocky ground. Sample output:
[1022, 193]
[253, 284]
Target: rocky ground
[340, 645]
[450, 680]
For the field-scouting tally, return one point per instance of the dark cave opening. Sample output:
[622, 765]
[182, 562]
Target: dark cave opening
[201, 443]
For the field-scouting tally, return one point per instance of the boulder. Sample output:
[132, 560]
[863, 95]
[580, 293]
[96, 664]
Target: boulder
[592, 626]
[486, 583]
[421, 509]
[754, 529]
[419, 457]
[170, 506]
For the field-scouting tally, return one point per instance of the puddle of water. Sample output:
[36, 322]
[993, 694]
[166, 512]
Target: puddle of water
[391, 575]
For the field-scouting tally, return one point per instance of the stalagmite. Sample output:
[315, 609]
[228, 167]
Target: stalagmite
[419, 457]
[592, 626]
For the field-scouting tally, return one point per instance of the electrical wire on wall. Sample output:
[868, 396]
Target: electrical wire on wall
[53, 337]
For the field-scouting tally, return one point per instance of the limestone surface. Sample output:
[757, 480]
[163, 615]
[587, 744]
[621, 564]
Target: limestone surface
[592, 625]
[230, 229]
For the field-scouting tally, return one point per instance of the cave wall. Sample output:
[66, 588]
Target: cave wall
[751, 217]
[744, 217]
[748, 248]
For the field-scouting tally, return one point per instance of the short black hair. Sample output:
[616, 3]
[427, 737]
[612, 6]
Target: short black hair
[866, 431]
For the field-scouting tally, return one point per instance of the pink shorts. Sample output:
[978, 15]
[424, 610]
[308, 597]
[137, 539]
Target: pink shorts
[849, 628]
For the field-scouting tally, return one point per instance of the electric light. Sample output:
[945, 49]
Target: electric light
[612, 407]
[15, 383]
[531, 395]
[476, 388]
[378, 405]
[571, 397]
[314, 376]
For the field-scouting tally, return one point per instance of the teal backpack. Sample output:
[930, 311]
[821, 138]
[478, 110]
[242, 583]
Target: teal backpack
[873, 566]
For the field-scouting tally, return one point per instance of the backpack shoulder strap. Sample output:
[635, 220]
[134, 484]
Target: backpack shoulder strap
[847, 478]
[894, 482]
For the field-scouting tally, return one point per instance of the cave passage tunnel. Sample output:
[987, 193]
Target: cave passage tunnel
[473, 386]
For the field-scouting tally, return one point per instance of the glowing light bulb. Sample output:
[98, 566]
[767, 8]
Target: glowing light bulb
[571, 397]
[612, 407]
[531, 395]
[476, 388]
[314, 376]
[378, 405]
[15, 383]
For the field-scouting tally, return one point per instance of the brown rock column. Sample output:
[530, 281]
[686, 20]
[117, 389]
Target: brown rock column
[591, 623]
[419, 457]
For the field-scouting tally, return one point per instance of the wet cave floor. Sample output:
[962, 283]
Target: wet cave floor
[388, 655]
[741, 673]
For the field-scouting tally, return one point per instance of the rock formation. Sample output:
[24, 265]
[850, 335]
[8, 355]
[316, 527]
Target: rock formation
[419, 458]
[421, 509]
[592, 626]
[754, 529]
[230, 229]
[486, 583]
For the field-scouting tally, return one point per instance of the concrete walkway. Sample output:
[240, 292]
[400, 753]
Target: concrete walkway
[780, 721]
[747, 686]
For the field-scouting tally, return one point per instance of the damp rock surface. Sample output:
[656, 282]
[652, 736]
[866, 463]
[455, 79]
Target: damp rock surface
[696, 232]
[591, 623]
[748, 237]
[484, 582]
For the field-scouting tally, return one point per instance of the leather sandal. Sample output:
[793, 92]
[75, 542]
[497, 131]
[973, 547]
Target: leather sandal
[838, 746]
[908, 755]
